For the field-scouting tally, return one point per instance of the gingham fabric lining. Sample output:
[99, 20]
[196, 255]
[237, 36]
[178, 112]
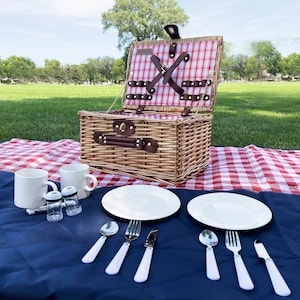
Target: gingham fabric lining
[151, 116]
[252, 168]
[200, 67]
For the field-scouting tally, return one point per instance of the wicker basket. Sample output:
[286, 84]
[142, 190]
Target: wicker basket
[167, 137]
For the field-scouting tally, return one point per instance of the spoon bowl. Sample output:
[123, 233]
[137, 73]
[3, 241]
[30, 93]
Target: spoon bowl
[209, 239]
[108, 229]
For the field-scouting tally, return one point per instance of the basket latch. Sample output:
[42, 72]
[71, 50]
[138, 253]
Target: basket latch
[124, 127]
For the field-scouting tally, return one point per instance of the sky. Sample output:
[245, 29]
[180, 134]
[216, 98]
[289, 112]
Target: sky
[71, 30]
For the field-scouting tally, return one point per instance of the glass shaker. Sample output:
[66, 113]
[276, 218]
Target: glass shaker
[54, 206]
[70, 196]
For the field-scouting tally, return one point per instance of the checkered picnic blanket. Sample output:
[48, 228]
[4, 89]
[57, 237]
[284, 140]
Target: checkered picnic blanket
[252, 168]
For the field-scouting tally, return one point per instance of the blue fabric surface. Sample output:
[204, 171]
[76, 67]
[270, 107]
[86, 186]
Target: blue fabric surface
[42, 260]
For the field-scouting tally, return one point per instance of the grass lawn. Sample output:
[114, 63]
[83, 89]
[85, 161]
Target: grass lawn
[264, 114]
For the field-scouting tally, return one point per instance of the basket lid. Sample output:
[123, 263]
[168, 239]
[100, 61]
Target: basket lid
[173, 75]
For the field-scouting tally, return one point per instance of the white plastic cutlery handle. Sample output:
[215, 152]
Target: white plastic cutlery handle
[245, 282]
[93, 252]
[279, 284]
[142, 272]
[212, 270]
[114, 266]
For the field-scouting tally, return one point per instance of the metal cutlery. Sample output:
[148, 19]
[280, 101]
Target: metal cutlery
[143, 269]
[132, 233]
[232, 242]
[279, 284]
[108, 229]
[209, 239]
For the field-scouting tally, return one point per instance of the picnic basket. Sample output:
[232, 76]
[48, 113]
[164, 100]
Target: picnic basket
[163, 131]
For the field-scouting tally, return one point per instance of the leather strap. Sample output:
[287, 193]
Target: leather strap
[146, 144]
[199, 97]
[138, 83]
[138, 97]
[166, 73]
[196, 83]
[183, 56]
[172, 31]
[172, 50]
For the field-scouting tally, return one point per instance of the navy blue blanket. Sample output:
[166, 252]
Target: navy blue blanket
[42, 260]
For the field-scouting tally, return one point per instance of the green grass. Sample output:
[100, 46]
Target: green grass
[264, 114]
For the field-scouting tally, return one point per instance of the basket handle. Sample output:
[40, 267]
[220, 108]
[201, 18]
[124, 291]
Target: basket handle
[146, 144]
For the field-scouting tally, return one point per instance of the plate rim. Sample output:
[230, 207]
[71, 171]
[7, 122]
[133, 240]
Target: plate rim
[125, 217]
[213, 224]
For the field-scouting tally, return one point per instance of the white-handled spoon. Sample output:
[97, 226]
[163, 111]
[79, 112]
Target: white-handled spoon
[108, 229]
[209, 239]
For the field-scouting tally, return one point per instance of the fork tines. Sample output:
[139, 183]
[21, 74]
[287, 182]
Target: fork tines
[232, 237]
[133, 228]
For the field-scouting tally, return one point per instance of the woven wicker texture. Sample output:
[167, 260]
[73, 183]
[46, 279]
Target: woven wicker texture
[183, 143]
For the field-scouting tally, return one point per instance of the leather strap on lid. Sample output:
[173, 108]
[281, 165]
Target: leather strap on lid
[166, 73]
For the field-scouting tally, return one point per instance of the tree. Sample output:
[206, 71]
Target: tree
[2, 73]
[138, 20]
[106, 66]
[118, 71]
[291, 64]
[239, 64]
[253, 68]
[92, 69]
[53, 70]
[18, 67]
[268, 56]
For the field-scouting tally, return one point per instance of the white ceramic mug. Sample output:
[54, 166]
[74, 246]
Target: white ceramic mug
[78, 175]
[30, 187]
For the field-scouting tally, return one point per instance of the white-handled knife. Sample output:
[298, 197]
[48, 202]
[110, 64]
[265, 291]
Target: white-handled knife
[279, 284]
[143, 269]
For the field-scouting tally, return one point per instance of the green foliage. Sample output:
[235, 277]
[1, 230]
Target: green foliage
[118, 70]
[17, 67]
[291, 64]
[268, 57]
[138, 20]
[264, 114]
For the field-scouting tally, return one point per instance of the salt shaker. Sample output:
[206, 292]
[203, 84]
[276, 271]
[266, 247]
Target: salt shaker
[54, 206]
[70, 196]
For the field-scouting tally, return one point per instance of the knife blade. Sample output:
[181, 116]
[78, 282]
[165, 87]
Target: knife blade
[143, 269]
[280, 286]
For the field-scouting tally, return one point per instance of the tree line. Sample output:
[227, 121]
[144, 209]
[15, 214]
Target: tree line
[103, 69]
[265, 63]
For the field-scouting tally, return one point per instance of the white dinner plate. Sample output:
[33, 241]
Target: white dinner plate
[140, 202]
[229, 211]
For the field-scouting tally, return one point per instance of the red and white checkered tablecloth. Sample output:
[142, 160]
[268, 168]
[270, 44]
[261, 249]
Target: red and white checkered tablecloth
[252, 168]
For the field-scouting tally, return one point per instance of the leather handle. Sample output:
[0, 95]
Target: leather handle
[146, 144]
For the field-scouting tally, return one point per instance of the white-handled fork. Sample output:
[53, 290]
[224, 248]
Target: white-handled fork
[233, 243]
[132, 233]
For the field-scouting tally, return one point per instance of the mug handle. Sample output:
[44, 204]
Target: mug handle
[94, 181]
[52, 184]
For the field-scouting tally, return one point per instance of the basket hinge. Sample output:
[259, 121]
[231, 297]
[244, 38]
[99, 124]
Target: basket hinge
[185, 112]
[140, 109]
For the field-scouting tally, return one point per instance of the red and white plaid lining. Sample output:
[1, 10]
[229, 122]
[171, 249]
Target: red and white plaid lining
[252, 168]
[200, 66]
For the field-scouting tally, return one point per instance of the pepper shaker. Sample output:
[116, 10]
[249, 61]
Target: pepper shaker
[70, 196]
[54, 206]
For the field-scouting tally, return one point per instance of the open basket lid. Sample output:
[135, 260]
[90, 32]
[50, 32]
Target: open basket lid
[170, 75]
